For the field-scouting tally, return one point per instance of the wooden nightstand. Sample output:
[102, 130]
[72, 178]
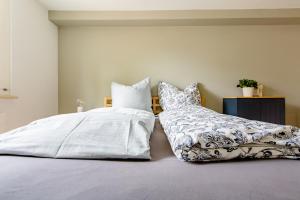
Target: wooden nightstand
[267, 109]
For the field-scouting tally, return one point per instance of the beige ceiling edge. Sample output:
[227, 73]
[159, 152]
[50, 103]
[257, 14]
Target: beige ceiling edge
[165, 18]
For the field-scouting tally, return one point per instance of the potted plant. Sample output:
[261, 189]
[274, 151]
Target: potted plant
[248, 87]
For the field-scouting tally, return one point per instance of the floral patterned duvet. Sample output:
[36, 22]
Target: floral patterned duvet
[199, 134]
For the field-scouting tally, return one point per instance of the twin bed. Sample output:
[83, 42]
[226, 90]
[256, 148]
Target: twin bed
[164, 177]
[124, 153]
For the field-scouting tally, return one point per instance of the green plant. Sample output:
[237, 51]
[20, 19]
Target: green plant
[247, 83]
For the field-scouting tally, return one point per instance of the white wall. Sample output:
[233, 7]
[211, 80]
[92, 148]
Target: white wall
[34, 61]
[4, 45]
[215, 56]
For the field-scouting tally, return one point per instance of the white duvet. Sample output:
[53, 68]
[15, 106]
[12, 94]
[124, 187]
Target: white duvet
[96, 134]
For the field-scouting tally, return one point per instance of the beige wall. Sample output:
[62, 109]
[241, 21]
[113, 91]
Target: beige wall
[4, 45]
[215, 56]
[34, 65]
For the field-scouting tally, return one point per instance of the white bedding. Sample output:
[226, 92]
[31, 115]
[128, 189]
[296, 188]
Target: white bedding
[96, 134]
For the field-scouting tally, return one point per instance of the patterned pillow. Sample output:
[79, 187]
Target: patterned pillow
[170, 97]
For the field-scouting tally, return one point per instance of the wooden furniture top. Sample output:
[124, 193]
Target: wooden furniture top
[155, 103]
[263, 97]
[8, 97]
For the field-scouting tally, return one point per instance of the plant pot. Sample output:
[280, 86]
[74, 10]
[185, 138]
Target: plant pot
[248, 91]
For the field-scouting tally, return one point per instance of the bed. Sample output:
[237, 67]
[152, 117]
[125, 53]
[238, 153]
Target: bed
[164, 177]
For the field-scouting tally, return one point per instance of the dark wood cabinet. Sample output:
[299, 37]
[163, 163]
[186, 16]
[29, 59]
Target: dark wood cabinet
[267, 109]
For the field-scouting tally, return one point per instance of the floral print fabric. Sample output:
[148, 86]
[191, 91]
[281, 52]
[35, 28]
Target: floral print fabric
[200, 134]
[170, 97]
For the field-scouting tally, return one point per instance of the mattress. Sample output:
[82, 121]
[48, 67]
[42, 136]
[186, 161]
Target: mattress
[165, 177]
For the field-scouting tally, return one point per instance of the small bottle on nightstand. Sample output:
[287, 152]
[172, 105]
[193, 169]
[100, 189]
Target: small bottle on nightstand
[260, 89]
[79, 105]
[79, 109]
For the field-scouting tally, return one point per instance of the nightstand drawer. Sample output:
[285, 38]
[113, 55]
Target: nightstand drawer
[249, 108]
[266, 109]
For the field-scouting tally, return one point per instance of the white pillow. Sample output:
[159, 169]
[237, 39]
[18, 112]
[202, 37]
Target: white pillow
[170, 97]
[137, 96]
